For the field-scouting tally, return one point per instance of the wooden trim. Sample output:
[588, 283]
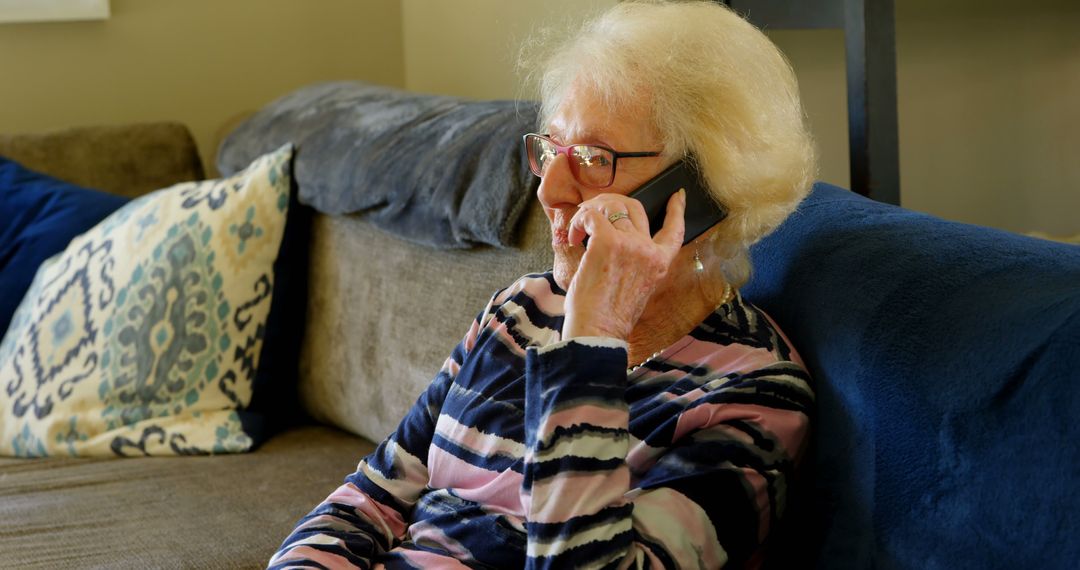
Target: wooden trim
[870, 43]
[870, 46]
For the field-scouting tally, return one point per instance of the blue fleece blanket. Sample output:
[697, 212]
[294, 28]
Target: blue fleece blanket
[441, 171]
[947, 366]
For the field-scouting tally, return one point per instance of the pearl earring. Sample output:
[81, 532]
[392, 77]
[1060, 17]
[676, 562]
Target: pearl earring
[698, 265]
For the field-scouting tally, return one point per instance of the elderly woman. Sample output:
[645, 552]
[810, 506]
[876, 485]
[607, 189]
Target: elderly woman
[628, 408]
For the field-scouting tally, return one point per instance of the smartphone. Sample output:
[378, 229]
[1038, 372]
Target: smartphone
[702, 212]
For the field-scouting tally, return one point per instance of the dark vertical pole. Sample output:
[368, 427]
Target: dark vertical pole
[870, 41]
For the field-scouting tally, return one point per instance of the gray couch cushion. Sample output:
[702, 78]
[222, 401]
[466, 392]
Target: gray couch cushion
[228, 511]
[383, 315]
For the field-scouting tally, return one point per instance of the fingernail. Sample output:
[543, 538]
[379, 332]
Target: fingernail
[682, 195]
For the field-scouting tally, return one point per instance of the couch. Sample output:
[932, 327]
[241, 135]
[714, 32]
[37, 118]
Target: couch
[945, 358]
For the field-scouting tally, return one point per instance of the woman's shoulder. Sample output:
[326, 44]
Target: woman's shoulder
[738, 340]
[737, 354]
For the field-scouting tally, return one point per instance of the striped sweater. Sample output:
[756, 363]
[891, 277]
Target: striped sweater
[528, 451]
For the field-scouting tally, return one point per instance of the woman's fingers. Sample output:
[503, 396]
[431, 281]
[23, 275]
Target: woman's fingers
[622, 265]
[637, 213]
[609, 207]
[670, 236]
[587, 222]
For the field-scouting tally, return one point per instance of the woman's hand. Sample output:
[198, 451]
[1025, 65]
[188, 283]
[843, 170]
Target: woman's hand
[622, 265]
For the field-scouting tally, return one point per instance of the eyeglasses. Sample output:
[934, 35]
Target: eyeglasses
[591, 164]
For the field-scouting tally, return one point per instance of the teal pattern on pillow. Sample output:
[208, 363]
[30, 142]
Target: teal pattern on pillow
[143, 337]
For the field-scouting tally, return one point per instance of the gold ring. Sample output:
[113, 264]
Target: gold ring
[617, 216]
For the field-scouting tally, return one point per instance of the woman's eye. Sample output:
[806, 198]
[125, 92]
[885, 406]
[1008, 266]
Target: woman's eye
[588, 156]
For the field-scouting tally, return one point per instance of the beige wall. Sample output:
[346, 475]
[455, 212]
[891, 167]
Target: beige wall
[469, 48]
[989, 95]
[988, 104]
[206, 63]
[990, 111]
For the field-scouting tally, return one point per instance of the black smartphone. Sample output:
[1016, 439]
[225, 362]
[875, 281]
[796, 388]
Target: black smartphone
[702, 212]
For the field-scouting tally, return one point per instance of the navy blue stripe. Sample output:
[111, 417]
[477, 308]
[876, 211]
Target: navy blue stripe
[569, 432]
[494, 463]
[572, 464]
[376, 492]
[760, 439]
[782, 397]
[589, 553]
[538, 317]
[564, 530]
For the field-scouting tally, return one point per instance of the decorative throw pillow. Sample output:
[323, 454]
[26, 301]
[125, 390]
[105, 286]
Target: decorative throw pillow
[40, 216]
[144, 336]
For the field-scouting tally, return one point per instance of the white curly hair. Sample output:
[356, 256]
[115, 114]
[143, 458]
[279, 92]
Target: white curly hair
[721, 92]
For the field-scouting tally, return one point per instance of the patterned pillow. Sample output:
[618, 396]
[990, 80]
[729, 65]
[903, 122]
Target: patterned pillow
[143, 337]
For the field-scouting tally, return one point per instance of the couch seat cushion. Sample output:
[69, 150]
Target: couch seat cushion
[229, 511]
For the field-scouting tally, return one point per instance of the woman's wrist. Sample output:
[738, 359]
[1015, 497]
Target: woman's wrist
[572, 328]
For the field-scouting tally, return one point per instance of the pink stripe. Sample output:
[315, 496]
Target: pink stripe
[786, 426]
[566, 496]
[691, 528]
[451, 366]
[306, 552]
[727, 358]
[734, 433]
[471, 336]
[540, 291]
[510, 291]
[643, 456]
[472, 483]
[371, 509]
[319, 522]
[761, 498]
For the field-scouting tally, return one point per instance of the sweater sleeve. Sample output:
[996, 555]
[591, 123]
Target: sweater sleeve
[708, 499]
[368, 514]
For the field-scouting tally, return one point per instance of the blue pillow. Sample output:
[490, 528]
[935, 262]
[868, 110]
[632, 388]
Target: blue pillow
[946, 358]
[40, 215]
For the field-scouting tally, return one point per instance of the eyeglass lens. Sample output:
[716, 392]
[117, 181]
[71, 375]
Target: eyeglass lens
[590, 165]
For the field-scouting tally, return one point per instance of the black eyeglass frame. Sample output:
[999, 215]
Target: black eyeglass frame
[534, 165]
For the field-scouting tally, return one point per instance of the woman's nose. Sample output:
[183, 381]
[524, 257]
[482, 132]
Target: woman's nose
[558, 188]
